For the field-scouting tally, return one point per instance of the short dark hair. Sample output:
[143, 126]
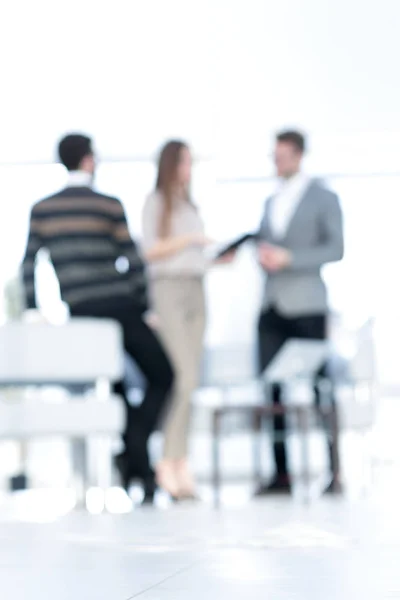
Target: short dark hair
[73, 148]
[293, 137]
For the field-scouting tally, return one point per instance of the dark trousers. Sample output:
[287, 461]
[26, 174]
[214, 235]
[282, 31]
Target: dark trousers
[143, 346]
[274, 330]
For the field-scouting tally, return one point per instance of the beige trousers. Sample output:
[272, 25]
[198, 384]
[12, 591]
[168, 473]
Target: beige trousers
[180, 307]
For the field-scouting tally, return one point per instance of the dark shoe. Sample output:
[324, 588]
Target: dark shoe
[122, 465]
[149, 489]
[279, 485]
[18, 483]
[334, 488]
[127, 475]
[148, 498]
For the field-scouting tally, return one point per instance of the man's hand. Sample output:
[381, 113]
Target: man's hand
[273, 258]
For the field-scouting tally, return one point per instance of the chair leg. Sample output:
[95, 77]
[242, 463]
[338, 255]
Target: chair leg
[257, 425]
[366, 463]
[335, 449]
[80, 470]
[216, 467]
[103, 465]
[304, 436]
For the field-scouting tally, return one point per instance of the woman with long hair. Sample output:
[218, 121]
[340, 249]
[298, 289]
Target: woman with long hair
[174, 241]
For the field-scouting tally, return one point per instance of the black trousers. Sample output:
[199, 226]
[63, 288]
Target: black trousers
[143, 346]
[274, 330]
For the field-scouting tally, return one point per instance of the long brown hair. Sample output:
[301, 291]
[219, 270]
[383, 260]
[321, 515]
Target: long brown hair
[168, 163]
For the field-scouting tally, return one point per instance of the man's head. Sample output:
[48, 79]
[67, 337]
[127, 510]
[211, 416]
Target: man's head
[76, 153]
[289, 151]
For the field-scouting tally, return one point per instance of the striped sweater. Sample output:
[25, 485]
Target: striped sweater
[85, 233]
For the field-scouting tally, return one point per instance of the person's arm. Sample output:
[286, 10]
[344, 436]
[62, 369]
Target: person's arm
[126, 247]
[329, 249]
[331, 245]
[262, 240]
[33, 246]
[165, 247]
[122, 238]
[157, 248]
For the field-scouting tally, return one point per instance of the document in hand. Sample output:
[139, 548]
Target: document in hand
[234, 245]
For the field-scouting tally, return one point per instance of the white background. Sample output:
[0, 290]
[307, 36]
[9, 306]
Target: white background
[224, 75]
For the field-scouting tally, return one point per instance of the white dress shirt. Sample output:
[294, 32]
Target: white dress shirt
[285, 203]
[79, 179]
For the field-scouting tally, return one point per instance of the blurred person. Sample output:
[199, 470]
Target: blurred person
[300, 232]
[86, 233]
[174, 242]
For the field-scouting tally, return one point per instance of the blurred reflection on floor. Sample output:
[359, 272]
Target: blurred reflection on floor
[330, 548]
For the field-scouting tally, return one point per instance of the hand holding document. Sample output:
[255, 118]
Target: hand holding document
[199, 239]
[225, 259]
[225, 253]
[152, 320]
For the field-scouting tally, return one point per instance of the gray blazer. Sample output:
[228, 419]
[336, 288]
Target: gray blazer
[314, 237]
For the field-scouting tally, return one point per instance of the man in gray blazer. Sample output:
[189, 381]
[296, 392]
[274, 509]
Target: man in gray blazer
[301, 231]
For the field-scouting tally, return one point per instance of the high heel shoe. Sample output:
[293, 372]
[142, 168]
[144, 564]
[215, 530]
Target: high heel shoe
[185, 480]
[166, 478]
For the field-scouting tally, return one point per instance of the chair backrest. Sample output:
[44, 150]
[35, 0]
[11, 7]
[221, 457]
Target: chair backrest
[228, 366]
[297, 359]
[76, 419]
[358, 401]
[357, 406]
[363, 365]
[80, 351]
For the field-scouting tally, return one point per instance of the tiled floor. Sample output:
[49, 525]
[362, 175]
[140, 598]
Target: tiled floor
[278, 549]
[328, 549]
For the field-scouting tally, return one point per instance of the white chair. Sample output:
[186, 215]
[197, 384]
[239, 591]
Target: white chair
[229, 377]
[226, 368]
[357, 393]
[85, 352]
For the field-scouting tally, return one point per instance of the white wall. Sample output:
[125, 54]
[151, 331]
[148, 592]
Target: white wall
[222, 73]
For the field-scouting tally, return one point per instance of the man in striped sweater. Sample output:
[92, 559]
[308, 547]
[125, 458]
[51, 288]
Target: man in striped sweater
[86, 233]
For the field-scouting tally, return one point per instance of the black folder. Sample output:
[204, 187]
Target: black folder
[235, 244]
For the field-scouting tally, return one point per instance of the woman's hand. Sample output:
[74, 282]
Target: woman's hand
[164, 248]
[199, 239]
[152, 320]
